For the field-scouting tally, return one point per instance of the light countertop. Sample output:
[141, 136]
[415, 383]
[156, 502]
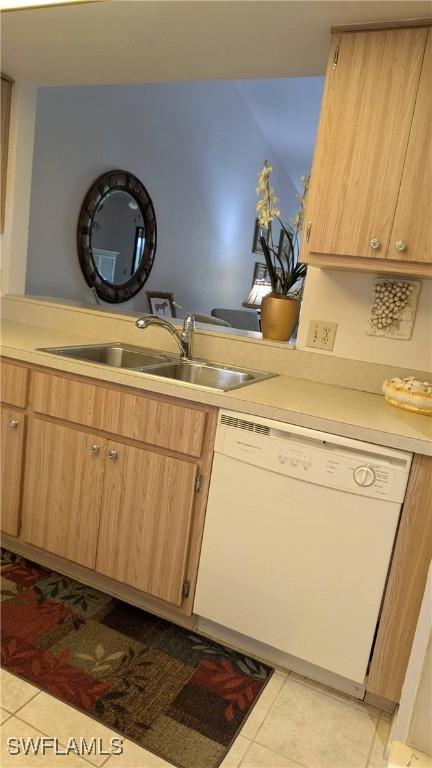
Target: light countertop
[325, 407]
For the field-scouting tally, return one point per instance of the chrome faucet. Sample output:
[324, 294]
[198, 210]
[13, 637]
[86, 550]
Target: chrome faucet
[183, 338]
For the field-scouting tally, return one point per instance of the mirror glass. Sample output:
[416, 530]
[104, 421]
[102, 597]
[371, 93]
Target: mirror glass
[117, 237]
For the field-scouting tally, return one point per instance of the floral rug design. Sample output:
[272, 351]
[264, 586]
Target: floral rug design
[173, 692]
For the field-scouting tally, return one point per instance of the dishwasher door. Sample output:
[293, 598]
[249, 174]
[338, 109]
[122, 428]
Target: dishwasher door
[293, 563]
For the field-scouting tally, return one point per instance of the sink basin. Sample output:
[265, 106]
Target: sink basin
[157, 363]
[116, 355]
[204, 375]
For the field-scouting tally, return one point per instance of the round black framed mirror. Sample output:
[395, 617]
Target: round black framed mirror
[117, 236]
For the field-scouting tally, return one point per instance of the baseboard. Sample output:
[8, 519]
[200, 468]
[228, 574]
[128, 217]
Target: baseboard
[402, 754]
[380, 702]
[98, 581]
[283, 661]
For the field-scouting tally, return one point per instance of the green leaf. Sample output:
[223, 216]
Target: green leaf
[99, 651]
[269, 264]
[101, 667]
[115, 656]
[244, 668]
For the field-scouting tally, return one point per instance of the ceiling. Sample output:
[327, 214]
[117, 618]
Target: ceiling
[144, 41]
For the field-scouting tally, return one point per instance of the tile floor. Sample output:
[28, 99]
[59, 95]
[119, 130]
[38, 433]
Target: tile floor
[404, 756]
[295, 724]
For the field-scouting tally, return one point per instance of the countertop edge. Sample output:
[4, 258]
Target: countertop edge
[226, 400]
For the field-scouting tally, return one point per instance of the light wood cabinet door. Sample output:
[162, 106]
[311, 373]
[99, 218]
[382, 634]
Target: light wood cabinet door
[366, 116]
[63, 490]
[12, 444]
[146, 520]
[412, 228]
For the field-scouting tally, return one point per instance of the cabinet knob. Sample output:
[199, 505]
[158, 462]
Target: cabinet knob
[112, 454]
[375, 243]
[401, 246]
[13, 423]
[94, 448]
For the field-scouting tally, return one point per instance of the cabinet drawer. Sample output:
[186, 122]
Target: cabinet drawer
[14, 384]
[169, 425]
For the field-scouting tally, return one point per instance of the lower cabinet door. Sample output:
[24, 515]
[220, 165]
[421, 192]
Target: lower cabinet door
[146, 520]
[12, 443]
[63, 490]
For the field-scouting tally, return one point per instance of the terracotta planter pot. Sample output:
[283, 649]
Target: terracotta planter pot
[279, 315]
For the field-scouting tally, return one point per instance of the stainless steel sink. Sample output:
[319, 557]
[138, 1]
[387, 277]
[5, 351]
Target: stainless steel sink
[116, 355]
[157, 363]
[205, 375]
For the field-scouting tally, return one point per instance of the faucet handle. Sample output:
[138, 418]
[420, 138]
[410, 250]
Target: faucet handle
[187, 335]
[189, 323]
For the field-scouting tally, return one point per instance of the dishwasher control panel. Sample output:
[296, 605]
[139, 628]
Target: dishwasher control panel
[316, 457]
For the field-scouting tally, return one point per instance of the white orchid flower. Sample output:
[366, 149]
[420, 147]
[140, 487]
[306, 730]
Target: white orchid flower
[266, 208]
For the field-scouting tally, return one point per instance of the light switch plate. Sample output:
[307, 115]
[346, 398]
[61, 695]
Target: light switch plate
[321, 334]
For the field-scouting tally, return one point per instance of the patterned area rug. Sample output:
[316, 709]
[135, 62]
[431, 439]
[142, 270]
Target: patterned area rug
[175, 693]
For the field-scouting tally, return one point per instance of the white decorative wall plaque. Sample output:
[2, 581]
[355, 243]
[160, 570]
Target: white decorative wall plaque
[392, 308]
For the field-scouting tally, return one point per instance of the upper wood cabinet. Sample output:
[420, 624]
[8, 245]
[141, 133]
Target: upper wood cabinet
[370, 182]
[412, 226]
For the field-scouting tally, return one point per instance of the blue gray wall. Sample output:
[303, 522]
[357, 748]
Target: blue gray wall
[197, 148]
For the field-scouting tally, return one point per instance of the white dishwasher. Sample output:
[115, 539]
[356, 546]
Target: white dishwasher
[298, 537]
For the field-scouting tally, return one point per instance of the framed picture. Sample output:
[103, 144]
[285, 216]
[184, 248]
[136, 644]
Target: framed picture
[261, 273]
[283, 246]
[161, 303]
[258, 232]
